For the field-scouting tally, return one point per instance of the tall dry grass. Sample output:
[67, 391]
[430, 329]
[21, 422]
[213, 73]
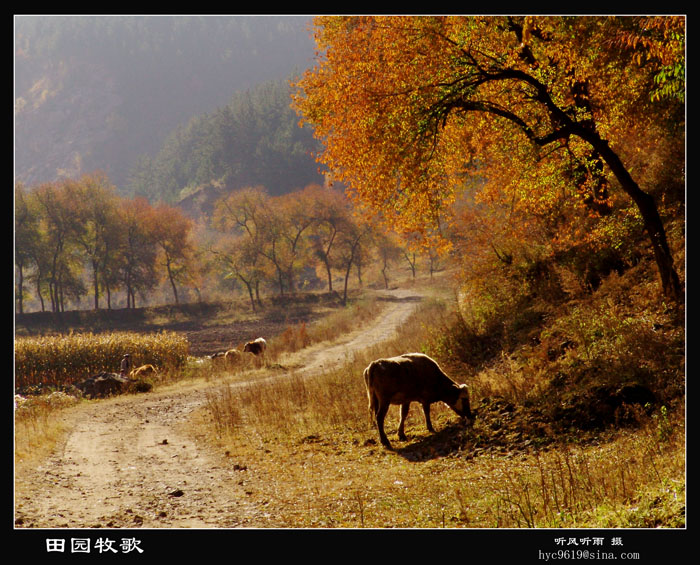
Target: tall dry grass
[55, 360]
[607, 485]
[338, 323]
[38, 425]
[294, 338]
[318, 429]
[292, 405]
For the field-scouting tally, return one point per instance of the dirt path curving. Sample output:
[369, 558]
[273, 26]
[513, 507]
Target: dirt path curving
[128, 463]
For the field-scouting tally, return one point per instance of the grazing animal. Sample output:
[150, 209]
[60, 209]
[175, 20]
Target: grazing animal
[412, 377]
[218, 357]
[232, 357]
[256, 347]
[142, 371]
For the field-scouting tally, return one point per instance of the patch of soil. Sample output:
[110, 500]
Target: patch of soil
[193, 320]
[206, 341]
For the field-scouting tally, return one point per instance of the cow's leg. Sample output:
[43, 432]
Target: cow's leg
[402, 422]
[426, 411]
[381, 414]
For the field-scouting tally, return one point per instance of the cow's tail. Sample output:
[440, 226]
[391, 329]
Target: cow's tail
[372, 399]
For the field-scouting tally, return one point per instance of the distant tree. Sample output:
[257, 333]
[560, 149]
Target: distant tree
[253, 140]
[294, 212]
[27, 238]
[411, 258]
[136, 266]
[57, 210]
[389, 250]
[242, 215]
[332, 213]
[96, 228]
[275, 227]
[170, 231]
[240, 260]
[350, 246]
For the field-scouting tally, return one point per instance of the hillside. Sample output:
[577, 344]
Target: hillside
[205, 452]
[254, 140]
[99, 92]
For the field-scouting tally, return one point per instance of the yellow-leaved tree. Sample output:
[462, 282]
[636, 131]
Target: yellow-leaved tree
[409, 107]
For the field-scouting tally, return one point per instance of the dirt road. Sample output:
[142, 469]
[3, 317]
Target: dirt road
[128, 463]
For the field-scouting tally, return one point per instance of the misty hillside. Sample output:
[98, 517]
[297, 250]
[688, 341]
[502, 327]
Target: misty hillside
[254, 140]
[107, 92]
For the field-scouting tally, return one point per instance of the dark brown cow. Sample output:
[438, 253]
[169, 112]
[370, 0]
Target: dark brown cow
[412, 377]
[256, 347]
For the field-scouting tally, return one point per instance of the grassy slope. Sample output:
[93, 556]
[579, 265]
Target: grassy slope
[534, 457]
[549, 448]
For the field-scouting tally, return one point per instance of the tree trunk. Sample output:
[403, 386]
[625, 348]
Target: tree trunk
[330, 278]
[96, 286]
[172, 283]
[38, 291]
[345, 287]
[257, 293]
[249, 286]
[652, 221]
[347, 271]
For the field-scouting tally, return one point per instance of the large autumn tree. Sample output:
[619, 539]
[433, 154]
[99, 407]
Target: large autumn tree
[408, 107]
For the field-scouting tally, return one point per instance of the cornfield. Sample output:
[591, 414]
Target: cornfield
[66, 359]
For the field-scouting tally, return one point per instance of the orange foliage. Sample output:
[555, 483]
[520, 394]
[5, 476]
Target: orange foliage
[411, 108]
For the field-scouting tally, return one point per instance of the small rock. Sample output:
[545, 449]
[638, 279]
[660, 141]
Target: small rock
[177, 493]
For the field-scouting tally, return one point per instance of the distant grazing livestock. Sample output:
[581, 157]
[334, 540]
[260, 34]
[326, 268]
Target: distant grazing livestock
[218, 357]
[232, 357]
[256, 347]
[143, 371]
[412, 377]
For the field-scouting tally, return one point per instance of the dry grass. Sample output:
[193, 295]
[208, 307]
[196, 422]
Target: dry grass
[46, 360]
[598, 485]
[39, 426]
[312, 458]
[309, 457]
[324, 469]
[56, 360]
[281, 349]
[328, 328]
